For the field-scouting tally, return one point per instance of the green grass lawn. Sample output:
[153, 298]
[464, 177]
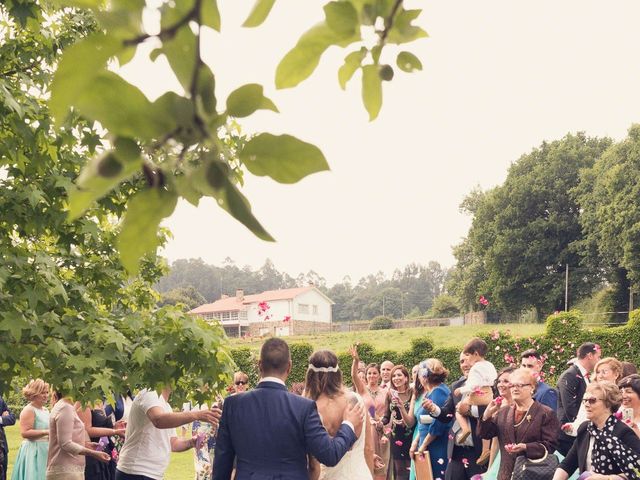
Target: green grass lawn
[180, 468]
[400, 339]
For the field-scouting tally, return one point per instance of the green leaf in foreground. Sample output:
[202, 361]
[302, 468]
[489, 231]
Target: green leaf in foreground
[79, 66]
[302, 60]
[122, 108]
[342, 17]
[102, 174]
[245, 100]
[284, 158]
[351, 63]
[211, 14]
[139, 234]
[408, 62]
[371, 90]
[212, 179]
[259, 13]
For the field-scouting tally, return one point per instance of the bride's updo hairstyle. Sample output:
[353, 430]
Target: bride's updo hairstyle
[323, 375]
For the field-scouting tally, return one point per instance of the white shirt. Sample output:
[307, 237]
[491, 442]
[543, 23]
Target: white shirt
[583, 372]
[147, 448]
[482, 374]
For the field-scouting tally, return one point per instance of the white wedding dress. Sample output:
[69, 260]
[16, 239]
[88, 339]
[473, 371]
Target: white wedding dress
[353, 465]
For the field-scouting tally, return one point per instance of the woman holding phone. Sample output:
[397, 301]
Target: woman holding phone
[630, 389]
[399, 421]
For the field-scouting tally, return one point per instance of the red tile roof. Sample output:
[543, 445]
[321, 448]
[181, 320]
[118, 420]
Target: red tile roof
[234, 303]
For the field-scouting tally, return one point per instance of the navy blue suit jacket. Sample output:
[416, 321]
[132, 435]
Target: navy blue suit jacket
[7, 420]
[546, 395]
[270, 431]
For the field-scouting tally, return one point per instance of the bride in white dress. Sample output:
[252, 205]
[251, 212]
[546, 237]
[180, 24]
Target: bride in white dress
[324, 385]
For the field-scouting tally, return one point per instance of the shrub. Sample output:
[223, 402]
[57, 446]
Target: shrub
[564, 333]
[381, 323]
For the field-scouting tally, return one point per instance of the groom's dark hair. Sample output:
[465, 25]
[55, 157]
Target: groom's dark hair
[274, 357]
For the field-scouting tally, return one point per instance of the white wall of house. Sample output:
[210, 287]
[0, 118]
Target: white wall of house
[312, 306]
[277, 311]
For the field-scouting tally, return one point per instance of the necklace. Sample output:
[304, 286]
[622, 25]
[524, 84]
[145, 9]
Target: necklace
[526, 416]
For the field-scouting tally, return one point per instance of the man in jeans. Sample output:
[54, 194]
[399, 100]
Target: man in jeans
[151, 435]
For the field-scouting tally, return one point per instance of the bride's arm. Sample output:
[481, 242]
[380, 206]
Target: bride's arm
[314, 468]
[369, 442]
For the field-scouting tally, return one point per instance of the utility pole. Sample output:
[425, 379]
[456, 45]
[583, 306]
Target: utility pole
[630, 299]
[566, 289]
[383, 306]
[402, 304]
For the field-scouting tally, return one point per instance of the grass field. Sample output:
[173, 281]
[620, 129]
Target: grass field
[180, 468]
[400, 339]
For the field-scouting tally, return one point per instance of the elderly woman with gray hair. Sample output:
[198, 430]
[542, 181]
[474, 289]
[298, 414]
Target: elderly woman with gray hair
[526, 429]
[605, 448]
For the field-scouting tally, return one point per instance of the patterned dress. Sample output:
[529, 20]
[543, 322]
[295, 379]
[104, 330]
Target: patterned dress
[203, 451]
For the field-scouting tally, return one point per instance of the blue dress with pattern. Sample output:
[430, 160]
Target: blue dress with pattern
[438, 448]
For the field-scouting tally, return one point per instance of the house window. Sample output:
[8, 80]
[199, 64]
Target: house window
[303, 308]
[315, 309]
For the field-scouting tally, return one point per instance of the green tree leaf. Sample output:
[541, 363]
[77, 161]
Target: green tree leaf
[408, 62]
[351, 63]
[284, 158]
[341, 17]
[259, 13]
[122, 108]
[181, 53]
[302, 60]
[245, 100]
[206, 91]
[103, 173]
[371, 90]
[402, 31]
[139, 234]
[79, 66]
[210, 14]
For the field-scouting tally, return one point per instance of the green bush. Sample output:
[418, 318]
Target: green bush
[381, 323]
[563, 334]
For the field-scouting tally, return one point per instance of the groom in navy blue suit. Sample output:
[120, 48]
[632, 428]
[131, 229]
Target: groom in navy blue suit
[270, 431]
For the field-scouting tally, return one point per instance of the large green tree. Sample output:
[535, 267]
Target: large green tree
[524, 232]
[609, 195]
[69, 312]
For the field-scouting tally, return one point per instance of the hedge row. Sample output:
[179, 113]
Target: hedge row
[563, 334]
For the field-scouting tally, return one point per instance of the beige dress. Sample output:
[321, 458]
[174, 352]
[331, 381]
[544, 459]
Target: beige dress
[67, 436]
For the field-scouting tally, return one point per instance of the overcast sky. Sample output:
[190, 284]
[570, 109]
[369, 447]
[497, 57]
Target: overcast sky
[499, 78]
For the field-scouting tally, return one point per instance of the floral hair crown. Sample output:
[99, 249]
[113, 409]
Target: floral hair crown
[424, 369]
[313, 368]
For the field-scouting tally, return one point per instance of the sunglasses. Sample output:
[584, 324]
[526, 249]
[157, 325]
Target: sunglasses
[519, 385]
[590, 400]
[240, 382]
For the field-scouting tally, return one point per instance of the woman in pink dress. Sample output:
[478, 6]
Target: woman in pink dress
[375, 400]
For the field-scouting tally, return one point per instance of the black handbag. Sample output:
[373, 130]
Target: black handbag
[538, 469]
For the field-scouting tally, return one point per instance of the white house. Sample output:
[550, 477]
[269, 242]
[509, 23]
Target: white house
[276, 312]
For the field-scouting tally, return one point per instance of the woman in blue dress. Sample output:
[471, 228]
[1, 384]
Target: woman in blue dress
[431, 436]
[31, 462]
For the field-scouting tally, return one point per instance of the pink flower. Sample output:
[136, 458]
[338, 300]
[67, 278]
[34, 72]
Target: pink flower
[618, 415]
[495, 335]
[398, 443]
[465, 462]
[483, 301]
[286, 318]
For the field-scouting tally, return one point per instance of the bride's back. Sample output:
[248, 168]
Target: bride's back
[331, 411]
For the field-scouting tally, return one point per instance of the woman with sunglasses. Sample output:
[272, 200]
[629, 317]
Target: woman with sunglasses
[605, 447]
[525, 428]
[240, 382]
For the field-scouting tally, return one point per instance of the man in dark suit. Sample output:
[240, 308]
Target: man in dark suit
[462, 458]
[6, 419]
[270, 431]
[545, 394]
[571, 387]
